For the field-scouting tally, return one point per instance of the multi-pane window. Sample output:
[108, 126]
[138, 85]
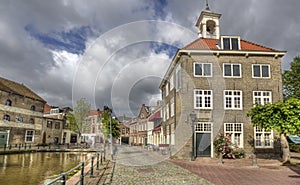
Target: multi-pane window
[203, 127]
[203, 99]
[262, 97]
[263, 138]
[261, 71]
[233, 99]
[202, 70]
[29, 136]
[235, 132]
[232, 70]
[230, 43]
[178, 77]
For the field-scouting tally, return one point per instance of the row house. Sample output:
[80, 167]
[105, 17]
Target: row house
[92, 130]
[210, 86]
[154, 128]
[124, 129]
[21, 113]
[55, 126]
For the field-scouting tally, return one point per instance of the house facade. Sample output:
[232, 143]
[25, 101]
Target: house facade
[21, 112]
[210, 86]
[92, 128]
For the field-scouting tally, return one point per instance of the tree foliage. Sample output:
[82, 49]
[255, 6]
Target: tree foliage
[291, 80]
[281, 116]
[105, 118]
[81, 111]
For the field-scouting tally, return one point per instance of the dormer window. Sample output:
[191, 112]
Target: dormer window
[54, 111]
[230, 43]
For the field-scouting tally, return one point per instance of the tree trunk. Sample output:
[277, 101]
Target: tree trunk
[285, 149]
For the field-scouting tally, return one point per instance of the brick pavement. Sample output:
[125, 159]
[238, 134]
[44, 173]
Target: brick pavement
[241, 171]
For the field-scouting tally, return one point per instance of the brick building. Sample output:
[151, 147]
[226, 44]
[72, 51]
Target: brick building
[210, 86]
[21, 113]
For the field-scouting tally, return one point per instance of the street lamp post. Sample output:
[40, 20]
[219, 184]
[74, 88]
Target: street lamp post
[193, 118]
[110, 128]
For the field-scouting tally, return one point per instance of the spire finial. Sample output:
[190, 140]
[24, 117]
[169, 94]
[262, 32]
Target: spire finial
[207, 7]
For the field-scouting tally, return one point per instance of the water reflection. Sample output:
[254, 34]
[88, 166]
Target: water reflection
[34, 168]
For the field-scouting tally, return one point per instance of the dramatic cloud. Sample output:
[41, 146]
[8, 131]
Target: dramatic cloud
[116, 52]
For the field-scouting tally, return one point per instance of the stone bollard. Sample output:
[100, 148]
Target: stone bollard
[254, 161]
[220, 161]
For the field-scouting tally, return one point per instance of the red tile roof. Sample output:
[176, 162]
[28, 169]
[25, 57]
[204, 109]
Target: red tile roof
[47, 108]
[211, 44]
[95, 112]
[19, 89]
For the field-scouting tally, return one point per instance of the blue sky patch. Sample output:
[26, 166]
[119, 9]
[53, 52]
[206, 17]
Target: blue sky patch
[72, 41]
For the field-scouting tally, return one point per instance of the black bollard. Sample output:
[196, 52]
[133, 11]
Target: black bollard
[97, 166]
[92, 167]
[82, 174]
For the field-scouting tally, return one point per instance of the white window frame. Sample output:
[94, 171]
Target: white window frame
[230, 40]
[29, 135]
[178, 78]
[232, 98]
[231, 66]
[172, 111]
[260, 135]
[262, 96]
[203, 97]
[167, 89]
[260, 70]
[19, 119]
[167, 111]
[202, 64]
[233, 130]
[171, 82]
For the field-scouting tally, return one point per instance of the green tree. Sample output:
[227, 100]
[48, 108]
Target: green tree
[291, 80]
[282, 117]
[105, 119]
[77, 118]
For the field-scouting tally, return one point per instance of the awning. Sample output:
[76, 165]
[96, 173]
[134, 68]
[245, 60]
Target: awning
[293, 139]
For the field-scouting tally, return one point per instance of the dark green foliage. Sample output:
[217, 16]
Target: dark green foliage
[105, 118]
[291, 80]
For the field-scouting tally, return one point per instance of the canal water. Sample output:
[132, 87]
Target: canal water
[34, 168]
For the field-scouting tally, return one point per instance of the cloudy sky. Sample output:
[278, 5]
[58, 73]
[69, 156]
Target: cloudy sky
[116, 52]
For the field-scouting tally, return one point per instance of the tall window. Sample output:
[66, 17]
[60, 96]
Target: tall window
[233, 99]
[203, 99]
[167, 89]
[171, 82]
[202, 70]
[232, 70]
[178, 77]
[57, 125]
[230, 43]
[263, 138]
[8, 102]
[49, 124]
[172, 111]
[6, 117]
[261, 71]
[235, 132]
[262, 97]
[29, 136]
[31, 121]
[167, 111]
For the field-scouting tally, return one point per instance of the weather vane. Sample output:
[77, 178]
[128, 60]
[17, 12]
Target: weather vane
[207, 7]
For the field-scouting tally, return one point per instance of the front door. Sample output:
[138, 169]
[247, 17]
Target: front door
[3, 138]
[203, 144]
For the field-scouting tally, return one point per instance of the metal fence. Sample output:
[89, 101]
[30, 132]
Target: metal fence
[26, 146]
[84, 171]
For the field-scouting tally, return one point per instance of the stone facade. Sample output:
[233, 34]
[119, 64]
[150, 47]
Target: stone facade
[21, 113]
[208, 90]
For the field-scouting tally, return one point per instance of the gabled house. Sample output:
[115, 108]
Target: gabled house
[154, 127]
[92, 128]
[210, 86]
[21, 113]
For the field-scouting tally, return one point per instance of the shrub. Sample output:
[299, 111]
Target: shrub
[223, 146]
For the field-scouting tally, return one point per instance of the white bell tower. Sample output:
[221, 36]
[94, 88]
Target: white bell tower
[208, 24]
